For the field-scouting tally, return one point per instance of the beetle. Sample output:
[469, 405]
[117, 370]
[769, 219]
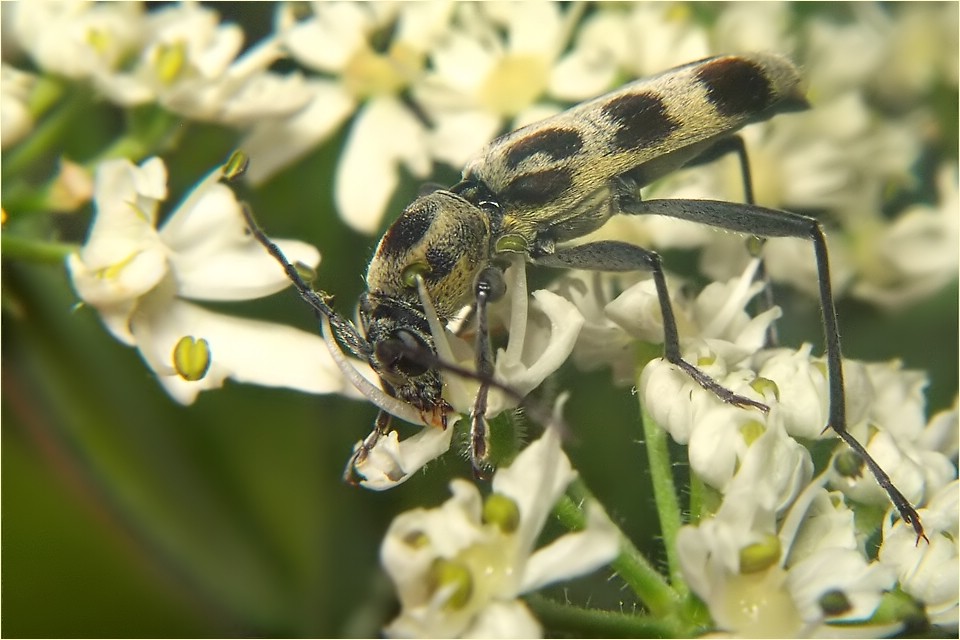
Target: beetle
[531, 191]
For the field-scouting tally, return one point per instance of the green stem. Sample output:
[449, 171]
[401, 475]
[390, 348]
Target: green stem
[27, 250]
[46, 136]
[630, 564]
[596, 623]
[665, 495]
[697, 489]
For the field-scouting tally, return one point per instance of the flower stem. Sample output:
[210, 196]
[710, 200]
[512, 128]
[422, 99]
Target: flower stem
[48, 134]
[596, 623]
[665, 494]
[697, 490]
[151, 129]
[630, 564]
[27, 250]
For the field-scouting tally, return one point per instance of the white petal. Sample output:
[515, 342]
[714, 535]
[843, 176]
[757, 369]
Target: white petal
[383, 136]
[126, 198]
[456, 136]
[573, 554]
[244, 350]
[843, 570]
[277, 143]
[803, 390]
[419, 24]
[716, 445]
[265, 95]
[550, 349]
[16, 121]
[590, 68]
[930, 573]
[120, 283]
[535, 481]
[504, 620]
[392, 461]
[215, 258]
[534, 28]
[328, 40]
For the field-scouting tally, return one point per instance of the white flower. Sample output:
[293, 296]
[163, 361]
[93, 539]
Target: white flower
[77, 39]
[189, 64]
[754, 26]
[663, 35]
[493, 66]
[763, 574]
[915, 255]
[386, 135]
[914, 452]
[140, 279]
[459, 569]
[16, 121]
[928, 572]
[538, 344]
[713, 325]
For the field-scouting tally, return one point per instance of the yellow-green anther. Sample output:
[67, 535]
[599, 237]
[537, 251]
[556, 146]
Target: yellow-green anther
[706, 361]
[821, 366]
[760, 556]
[848, 464]
[236, 165]
[834, 603]
[751, 430]
[445, 574]
[763, 385]
[411, 271]
[191, 358]
[112, 271]
[98, 40]
[511, 243]
[501, 511]
[169, 61]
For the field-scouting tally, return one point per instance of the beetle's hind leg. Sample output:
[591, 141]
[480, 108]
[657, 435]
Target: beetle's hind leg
[611, 255]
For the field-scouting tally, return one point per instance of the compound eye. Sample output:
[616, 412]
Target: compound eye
[394, 354]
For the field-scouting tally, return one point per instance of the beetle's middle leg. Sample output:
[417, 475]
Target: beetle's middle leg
[611, 255]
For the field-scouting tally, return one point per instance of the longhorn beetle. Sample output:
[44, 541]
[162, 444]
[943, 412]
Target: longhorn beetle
[530, 191]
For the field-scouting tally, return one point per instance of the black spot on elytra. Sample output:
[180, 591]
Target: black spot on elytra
[555, 143]
[441, 264]
[409, 229]
[537, 188]
[736, 86]
[641, 120]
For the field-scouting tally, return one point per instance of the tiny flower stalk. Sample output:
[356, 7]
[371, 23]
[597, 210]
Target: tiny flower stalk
[665, 494]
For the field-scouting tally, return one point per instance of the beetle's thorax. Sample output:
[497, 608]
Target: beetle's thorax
[441, 237]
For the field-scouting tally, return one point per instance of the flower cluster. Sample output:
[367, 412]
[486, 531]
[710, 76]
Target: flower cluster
[460, 568]
[141, 280]
[781, 554]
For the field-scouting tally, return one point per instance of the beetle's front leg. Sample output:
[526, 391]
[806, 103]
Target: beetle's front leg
[611, 255]
[489, 287]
